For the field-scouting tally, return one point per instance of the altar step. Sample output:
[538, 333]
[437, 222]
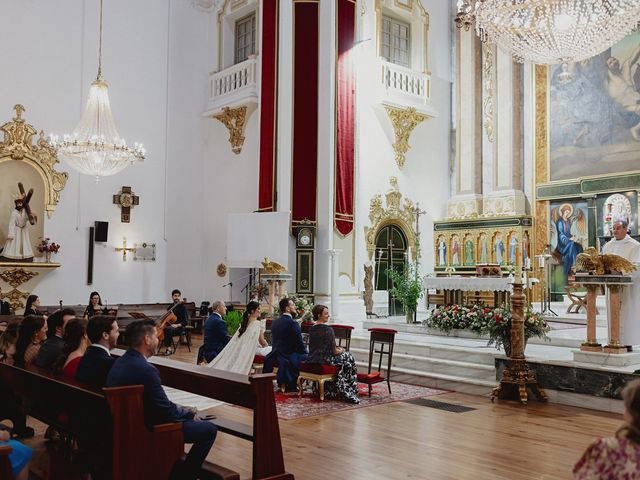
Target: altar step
[446, 367]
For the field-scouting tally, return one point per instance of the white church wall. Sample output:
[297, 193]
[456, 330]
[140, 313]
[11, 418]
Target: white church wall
[54, 55]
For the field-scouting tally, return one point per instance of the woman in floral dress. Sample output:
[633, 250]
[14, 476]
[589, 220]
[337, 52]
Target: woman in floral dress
[323, 349]
[618, 457]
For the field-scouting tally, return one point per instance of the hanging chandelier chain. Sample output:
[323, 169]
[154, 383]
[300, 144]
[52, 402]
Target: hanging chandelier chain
[100, 46]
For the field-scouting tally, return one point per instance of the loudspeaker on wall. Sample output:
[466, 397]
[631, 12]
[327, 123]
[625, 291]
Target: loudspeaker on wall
[102, 229]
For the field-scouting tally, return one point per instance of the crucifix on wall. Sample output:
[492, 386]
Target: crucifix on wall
[125, 200]
[124, 249]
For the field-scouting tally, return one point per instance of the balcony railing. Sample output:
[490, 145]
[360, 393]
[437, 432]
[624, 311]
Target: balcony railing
[233, 85]
[397, 79]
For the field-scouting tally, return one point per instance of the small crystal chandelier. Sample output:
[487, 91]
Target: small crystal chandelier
[95, 147]
[550, 31]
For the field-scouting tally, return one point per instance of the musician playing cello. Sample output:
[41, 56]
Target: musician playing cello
[182, 319]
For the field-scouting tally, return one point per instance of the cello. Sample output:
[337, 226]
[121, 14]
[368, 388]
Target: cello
[165, 320]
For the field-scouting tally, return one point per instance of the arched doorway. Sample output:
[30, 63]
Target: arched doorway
[391, 252]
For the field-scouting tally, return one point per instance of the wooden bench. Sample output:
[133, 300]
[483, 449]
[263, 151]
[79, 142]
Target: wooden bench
[254, 392]
[120, 408]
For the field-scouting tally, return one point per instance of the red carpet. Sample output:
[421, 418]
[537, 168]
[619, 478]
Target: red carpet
[290, 407]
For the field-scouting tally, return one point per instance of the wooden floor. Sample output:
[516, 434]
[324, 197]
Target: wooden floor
[404, 441]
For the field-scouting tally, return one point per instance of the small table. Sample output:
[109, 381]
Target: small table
[614, 285]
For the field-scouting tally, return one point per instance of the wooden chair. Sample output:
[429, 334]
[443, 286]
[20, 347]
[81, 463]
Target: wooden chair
[343, 335]
[316, 372]
[578, 299]
[381, 338]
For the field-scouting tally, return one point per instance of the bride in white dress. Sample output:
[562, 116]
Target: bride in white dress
[237, 356]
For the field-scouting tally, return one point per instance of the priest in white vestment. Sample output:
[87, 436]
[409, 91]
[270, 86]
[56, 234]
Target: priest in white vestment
[625, 246]
[18, 245]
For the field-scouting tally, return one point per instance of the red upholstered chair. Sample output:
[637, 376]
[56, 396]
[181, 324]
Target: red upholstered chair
[304, 328]
[381, 338]
[258, 363]
[316, 372]
[343, 335]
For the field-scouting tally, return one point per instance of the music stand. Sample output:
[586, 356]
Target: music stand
[545, 266]
[139, 316]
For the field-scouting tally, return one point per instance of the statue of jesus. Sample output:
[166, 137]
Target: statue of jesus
[18, 244]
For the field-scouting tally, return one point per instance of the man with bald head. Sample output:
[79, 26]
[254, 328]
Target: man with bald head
[216, 334]
[625, 246]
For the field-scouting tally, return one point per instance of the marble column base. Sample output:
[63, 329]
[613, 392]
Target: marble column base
[609, 359]
[464, 206]
[504, 203]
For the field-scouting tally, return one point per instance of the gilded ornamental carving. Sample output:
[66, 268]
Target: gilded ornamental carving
[17, 276]
[403, 121]
[234, 119]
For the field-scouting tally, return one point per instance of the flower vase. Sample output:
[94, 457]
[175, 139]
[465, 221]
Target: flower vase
[47, 257]
[410, 316]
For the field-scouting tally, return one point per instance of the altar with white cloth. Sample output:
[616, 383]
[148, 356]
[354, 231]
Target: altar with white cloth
[455, 289]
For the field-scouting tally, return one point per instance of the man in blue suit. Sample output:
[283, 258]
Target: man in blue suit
[216, 334]
[134, 369]
[95, 364]
[288, 347]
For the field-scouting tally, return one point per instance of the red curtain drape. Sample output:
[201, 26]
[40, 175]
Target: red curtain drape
[305, 110]
[268, 106]
[345, 117]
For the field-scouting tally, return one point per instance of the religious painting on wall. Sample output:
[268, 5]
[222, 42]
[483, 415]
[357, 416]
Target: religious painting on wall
[594, 114]
[483, 249]
[455, 250]
[469, 256]
[614, 207]
[442, 252]
[513, 248]
[499, 250]
[568, 237]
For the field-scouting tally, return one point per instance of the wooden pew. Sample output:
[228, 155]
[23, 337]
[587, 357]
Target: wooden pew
[254, 392]
[136, 451]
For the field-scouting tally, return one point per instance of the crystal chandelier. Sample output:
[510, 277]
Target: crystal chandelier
[550, 31]
[95, 147]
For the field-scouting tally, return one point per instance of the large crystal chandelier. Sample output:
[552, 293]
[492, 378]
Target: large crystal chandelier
[95, 147]
[550, 31]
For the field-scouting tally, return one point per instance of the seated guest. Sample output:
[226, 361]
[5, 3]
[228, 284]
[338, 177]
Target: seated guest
[182, 319]
[323, 350]
[5, 308]
[134, 369]
[31, 334]
[8, 340]
[52, 347]
[75, 345]
[616, 457]
[216, 334]
[19, 456]
[288, 348]
[95, 306]
[96, 362]
[33, 304]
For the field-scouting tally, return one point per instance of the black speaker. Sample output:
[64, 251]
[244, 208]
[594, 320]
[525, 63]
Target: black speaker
[102, 229]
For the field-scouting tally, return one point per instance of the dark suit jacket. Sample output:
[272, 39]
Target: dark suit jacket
[94, 366]
[5, 308]
[133, 369]
[216, 336]
[49, 352]
[286, 336]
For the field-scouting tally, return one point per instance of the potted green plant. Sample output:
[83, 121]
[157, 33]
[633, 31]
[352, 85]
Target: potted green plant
[233, 320]
[407, 288]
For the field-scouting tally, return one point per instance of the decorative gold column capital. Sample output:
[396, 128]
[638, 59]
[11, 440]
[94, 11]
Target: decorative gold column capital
[403, 121]
[234, 119]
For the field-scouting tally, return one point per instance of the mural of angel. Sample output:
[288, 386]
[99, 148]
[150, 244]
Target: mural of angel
[570, 232]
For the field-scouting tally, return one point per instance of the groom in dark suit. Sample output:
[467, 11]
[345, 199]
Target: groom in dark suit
[288, 347]
[95, 364]
[216, 334]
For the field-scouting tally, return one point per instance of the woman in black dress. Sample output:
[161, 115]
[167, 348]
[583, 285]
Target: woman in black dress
[323, 349]
[95, 306]
[33, 303]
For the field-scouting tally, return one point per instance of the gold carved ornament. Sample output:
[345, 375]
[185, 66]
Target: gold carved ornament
[403, 121]
[16, 277]
[234, 119]
[18, 145]
[397, 212]
[487, 102]
[541, 233]
[221, 270]
[273, 268]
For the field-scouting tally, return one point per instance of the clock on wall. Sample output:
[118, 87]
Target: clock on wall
[305, 250]
[305, 237]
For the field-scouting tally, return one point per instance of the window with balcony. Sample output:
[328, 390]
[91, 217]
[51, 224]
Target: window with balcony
[245, 38]
[395, 45]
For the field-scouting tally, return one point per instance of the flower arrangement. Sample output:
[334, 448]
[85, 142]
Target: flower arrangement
[303, 308]
[492, 322]
[47, 246]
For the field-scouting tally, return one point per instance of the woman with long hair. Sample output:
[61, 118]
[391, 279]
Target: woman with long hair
[33, 303]
[75, 344]
[8, 340]
[617, 456]
[238, 355]
[31, 333]
[95, 306]
[323, 350]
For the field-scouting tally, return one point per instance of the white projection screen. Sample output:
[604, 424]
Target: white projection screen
[253, 236]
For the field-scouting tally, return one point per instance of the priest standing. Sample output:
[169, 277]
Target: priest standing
[625, 246]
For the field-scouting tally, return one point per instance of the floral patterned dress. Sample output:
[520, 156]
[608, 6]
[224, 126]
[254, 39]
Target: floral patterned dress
[322, 342]
[610, 458]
